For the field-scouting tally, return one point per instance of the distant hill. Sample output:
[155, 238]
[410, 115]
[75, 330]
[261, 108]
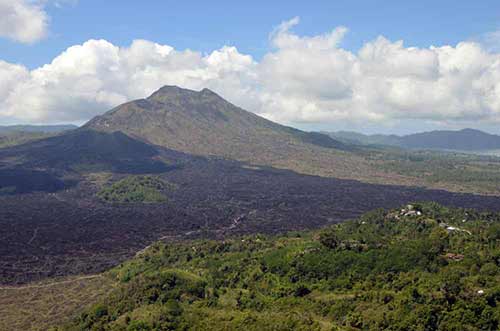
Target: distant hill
[5, 129]
[462, 140]
[466, 140]
[19, 134]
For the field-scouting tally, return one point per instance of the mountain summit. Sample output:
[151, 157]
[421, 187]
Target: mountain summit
[203, 123]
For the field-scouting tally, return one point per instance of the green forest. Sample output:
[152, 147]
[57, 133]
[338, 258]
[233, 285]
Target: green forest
[420, 267]
[143, 189]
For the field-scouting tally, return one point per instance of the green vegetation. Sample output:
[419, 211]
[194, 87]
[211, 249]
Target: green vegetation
[450, 171]
[18, 138]
[145, 189]
[423, 267]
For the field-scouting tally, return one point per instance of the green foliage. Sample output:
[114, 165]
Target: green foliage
[20, 137]
[145, 189]
[454, 171]
[399, 270]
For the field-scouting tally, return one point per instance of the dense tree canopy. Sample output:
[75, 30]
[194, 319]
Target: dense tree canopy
[136, 189]
[421, 267]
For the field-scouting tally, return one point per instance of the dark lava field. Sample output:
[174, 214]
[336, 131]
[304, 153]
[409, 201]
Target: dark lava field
[69, 231]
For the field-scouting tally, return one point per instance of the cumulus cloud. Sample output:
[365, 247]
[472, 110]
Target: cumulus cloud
[22, 20]
[312, 79]
[302, 79]
[88, 79]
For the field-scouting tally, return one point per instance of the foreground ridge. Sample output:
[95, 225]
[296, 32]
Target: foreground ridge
[394, 269]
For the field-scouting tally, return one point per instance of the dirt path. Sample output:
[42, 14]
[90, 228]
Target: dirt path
[49, 284]
[33, 237]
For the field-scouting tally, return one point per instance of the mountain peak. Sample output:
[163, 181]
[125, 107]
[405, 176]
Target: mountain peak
[207, 91]
[173, 92]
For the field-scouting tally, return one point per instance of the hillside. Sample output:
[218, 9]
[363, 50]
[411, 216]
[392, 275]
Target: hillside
[462, 140]
[419, 267]
[203, 123]
[82, 150]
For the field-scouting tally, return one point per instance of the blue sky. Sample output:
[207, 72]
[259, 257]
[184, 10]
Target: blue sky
[208, 25]
[317, 65]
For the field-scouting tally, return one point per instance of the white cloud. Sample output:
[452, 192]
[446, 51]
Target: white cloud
[301, 80]
[312, 79]
[22, 20]
[88, 79]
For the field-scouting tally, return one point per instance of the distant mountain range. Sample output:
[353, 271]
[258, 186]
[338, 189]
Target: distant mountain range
[5, 129]
[19, 134]
[461, 140]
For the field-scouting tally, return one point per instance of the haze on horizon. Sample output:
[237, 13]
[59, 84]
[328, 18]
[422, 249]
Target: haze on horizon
[342, 66]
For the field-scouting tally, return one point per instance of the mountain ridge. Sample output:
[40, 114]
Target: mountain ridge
[465, 139]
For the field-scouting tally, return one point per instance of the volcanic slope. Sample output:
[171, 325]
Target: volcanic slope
[203, 123]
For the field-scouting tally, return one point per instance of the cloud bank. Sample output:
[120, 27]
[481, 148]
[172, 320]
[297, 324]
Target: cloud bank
[302, 79]
[22, 20]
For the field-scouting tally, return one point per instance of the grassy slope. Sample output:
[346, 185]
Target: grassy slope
[385, 270]
[37, 306]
